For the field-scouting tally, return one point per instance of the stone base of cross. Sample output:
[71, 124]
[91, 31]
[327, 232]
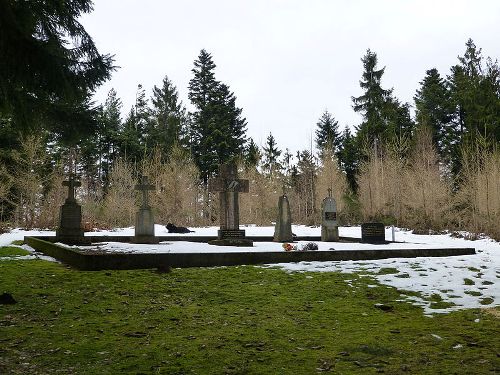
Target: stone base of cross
[144, 219]
[70, 229]
[228, 185]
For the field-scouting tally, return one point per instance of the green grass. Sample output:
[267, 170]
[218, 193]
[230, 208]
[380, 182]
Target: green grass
[9, 251]
[232, 320]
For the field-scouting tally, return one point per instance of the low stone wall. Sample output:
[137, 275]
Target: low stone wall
[86, 261]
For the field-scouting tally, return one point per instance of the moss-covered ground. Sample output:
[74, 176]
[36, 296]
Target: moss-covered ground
[234, 320]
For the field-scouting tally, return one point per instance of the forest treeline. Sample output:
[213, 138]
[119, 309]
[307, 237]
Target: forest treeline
[438, 169]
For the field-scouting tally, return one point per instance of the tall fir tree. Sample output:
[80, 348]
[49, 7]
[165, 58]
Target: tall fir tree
[110, 124]
[372, 104]
[136, 127]
[349, 158]
[49, 66]
[252, 154]
[327, 133]
[217, 131]
[169, 118]
[271, 155]
[434, 109]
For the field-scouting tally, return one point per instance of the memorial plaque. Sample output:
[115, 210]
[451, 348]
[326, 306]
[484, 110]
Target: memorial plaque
[331, 216]
[372, 233]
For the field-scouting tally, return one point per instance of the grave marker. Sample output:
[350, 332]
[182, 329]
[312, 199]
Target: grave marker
[144, 219]
[373, 233]
[283, 227]
[228, 185]
[329, 225]
[70, 229]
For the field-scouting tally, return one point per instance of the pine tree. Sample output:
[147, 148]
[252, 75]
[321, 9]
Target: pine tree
[349, 158]
[327, 133]
[168, 118]
[270, 161]
[434, 109]
[108, 135]
[252, 154]
[49, 65]
[217, 133]
[475, 92]
[372, 104]
[136, 128]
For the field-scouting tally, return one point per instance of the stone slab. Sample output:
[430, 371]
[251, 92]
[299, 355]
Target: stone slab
[86, 261]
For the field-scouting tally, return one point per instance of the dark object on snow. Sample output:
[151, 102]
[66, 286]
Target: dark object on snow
[175, 229]
[7, 299]
[310, 246]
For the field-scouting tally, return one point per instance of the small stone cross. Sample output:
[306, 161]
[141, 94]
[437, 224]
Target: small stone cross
[71, 184]
[329, 192]
[144, 186]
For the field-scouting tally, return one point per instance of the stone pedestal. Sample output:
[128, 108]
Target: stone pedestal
[144, 227]
[144, 220]
[329, 225]
[228, 185]
[70, 230]
[283, 227]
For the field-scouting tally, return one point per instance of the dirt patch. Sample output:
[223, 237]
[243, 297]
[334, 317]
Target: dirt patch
[495, 311]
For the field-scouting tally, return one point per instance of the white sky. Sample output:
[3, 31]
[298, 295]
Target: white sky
[288, 61]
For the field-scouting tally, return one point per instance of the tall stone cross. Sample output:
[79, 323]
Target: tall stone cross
[144, 186]
[228, 185]
[72, 184]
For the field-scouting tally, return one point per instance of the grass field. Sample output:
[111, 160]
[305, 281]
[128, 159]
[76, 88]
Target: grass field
[234, 320]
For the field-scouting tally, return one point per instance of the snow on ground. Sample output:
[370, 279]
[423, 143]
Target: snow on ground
[466, 281]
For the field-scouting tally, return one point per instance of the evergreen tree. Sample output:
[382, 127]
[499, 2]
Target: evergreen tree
[136, 128]
[349, 158]
[372, 104]
[327, 133]
[49, 65]
[252, 154]
[168, 118]
[304, 185]
[217, 132]
[434, 109]
[475, 92]
[476, 95]
[110, 124]
[270, 161]
[398, 120]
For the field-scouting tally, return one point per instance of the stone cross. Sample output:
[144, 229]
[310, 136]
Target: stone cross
[329, 192]
[144, 186]
[228, 185]
[71, 184]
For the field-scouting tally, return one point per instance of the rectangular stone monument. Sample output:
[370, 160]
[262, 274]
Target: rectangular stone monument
[228, 185]
[283, 226]
[373, 233]
[144, 219]
[329, 225]
[70, 229]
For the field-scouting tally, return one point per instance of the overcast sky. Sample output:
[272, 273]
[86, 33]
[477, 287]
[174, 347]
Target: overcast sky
[288, 61]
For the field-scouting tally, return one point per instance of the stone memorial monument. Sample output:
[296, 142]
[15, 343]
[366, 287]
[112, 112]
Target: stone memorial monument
[329, 225]
[144, 220]
[373, 233]
[70, 229]
[283, 227]
[228, 185]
